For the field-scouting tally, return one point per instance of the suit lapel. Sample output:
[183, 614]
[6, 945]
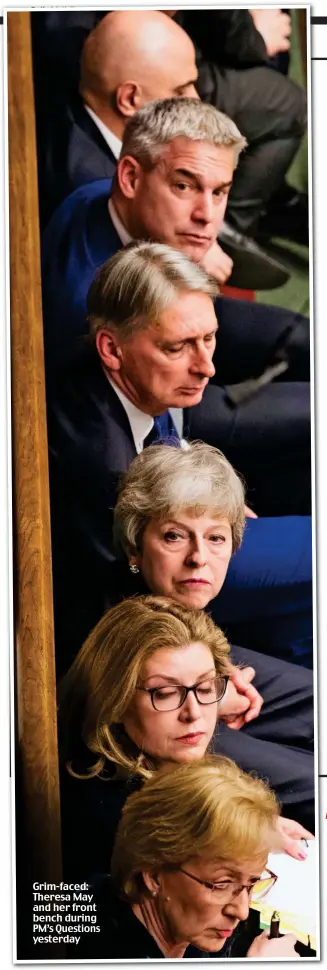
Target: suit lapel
[86, 123]
[118, 440]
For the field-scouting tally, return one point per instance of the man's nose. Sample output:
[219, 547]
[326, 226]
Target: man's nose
[239, 906]
[203, 362]
[204, 207]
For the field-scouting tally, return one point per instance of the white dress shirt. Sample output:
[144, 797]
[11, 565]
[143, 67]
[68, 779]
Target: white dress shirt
[124, 236]
[113, 142]
[141, 424]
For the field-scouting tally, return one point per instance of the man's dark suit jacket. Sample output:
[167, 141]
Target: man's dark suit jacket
[90, 445]
[73, 153]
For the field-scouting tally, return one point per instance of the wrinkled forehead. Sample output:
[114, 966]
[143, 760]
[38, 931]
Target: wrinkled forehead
[199, 158]
[187, 516]
[242, 872]
[189, 316]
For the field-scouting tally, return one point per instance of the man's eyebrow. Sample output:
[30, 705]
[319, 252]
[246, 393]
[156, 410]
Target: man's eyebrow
[185, 340]
[186, 173]
[197, 178]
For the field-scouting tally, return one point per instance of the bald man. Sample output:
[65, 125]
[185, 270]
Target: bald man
[133, 57]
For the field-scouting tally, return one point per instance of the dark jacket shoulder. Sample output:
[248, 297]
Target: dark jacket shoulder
[90, 446]
[91, 810]
[79, 238]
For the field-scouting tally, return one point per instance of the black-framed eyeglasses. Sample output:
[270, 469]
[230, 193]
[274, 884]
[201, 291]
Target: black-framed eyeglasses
[170, 697]
[230, 890]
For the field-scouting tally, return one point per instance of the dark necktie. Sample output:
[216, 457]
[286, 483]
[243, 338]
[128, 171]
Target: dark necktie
[163, 431]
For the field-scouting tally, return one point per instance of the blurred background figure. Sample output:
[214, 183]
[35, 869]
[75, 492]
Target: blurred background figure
[236, 51]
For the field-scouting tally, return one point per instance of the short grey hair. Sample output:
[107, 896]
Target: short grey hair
[139, 283]
[160, 122]
[165, 479]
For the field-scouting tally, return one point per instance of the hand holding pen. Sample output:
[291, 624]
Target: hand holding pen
[274, 926]
[283, 946]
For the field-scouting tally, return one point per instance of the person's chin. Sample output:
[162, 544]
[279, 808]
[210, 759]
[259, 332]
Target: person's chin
[189, 398]
[191, 752]
[196, 598]
[194, 249]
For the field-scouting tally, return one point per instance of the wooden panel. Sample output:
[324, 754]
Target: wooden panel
[38, 783]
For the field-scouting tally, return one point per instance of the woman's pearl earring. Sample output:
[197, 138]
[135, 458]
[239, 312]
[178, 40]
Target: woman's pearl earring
[134, 568]
[154, 892]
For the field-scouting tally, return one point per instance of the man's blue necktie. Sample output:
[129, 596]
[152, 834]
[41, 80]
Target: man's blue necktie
[163, 431]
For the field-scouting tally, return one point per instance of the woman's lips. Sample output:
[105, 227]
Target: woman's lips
[195, 582]
[191, 738]
[225, 933]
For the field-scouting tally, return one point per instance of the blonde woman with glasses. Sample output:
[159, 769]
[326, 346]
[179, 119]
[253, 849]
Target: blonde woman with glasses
[191, 851]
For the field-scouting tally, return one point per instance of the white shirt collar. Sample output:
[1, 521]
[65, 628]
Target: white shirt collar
[121, 230]
[141, 424]
[113, 142]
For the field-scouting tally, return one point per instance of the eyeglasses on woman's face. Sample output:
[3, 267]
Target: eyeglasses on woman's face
[170, 697]
[227, 890]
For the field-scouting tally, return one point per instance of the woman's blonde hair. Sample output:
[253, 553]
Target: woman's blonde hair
[99, 687]
[163, 480]
[208, 809]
